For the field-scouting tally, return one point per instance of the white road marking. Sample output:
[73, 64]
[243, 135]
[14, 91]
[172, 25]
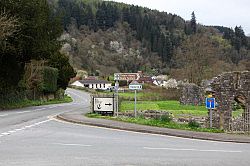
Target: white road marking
[53, 107]
[196, 150]
[39, 109]
[22, 112]
[23, 128]
[6, 133]
[4, 115]
[63, 144]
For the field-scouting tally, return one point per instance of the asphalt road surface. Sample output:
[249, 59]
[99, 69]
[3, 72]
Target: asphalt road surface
[32, 137]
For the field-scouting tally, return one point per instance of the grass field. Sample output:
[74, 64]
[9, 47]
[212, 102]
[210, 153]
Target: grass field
[171, 106]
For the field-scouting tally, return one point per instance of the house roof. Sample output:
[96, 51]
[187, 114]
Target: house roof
[93, 81]
[145, 78]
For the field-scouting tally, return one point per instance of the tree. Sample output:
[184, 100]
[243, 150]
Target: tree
[65, 70]
[37, 39]
[195, 59]
[193, 23]
[240, 38]
[8, 25]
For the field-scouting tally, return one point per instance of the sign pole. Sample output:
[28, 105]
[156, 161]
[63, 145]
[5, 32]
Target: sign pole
[210, 112]
[135, 105]
[210, 105]
[117, 99]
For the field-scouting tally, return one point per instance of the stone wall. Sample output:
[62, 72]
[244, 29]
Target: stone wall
[228, 88]
[191, 94]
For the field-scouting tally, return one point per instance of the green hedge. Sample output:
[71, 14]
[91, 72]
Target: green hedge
[50, 76]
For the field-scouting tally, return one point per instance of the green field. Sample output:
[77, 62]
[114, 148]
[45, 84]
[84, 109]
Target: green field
[171, 106]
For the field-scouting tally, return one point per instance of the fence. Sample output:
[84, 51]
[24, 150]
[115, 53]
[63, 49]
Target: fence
[241, 124]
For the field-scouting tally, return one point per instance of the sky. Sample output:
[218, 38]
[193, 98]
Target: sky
[229, 13]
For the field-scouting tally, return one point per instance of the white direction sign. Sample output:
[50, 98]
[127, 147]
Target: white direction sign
[104, 104]
[135, 86]
[126, 76]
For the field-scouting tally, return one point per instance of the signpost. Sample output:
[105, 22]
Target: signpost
[210, 104]
[135, 86]
[103, 104]
[126, 76]
[117, 99]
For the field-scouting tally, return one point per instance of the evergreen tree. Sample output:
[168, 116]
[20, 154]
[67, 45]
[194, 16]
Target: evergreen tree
[37, 38]
[193, 23]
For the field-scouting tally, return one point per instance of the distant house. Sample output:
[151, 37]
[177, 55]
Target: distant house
[91, 78]
[93, 84]
[145, 80]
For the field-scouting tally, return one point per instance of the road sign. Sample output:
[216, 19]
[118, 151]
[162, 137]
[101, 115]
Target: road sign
[103, 104]
[210, 103]
[126, 76]
[135, 86]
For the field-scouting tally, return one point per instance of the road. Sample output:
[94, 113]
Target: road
[32, 137]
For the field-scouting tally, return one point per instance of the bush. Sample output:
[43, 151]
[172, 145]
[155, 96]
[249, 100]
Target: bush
[50, 76]
[166, 118]
[60, 93]
[193, 124]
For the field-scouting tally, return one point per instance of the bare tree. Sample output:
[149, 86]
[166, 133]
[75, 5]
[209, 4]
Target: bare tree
[8, 25]
[198, 59]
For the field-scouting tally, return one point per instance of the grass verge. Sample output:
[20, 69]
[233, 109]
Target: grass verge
[27, 103]
[156, 123]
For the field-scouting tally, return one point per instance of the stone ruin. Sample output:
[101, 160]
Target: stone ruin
[192, 94]
[229, 88]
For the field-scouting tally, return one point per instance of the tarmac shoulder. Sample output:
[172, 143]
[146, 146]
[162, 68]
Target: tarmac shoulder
[79, 118]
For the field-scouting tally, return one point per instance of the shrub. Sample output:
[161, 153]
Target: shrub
[166, 118]
[193, 124]
[60, 93]
[50, 76]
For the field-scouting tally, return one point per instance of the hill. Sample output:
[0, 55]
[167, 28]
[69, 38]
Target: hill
[106, 37]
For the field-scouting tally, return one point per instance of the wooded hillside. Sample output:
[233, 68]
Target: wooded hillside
[105, 37]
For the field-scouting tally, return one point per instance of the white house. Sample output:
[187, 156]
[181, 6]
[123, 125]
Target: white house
[93, 84]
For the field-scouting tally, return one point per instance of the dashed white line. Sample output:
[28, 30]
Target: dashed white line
[39, 109]
[63, 144]
[196, 150]
[4, 115]
[22, 112]
[23, 128]
[6, 133]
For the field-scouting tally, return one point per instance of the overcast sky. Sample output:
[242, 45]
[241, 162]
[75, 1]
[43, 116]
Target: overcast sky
[227, 13]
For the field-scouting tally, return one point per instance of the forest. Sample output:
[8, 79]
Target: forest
[161, 42]
[41, 39]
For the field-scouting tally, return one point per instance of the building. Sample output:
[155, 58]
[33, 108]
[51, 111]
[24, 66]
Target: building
[93, 84]
[145, 80]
